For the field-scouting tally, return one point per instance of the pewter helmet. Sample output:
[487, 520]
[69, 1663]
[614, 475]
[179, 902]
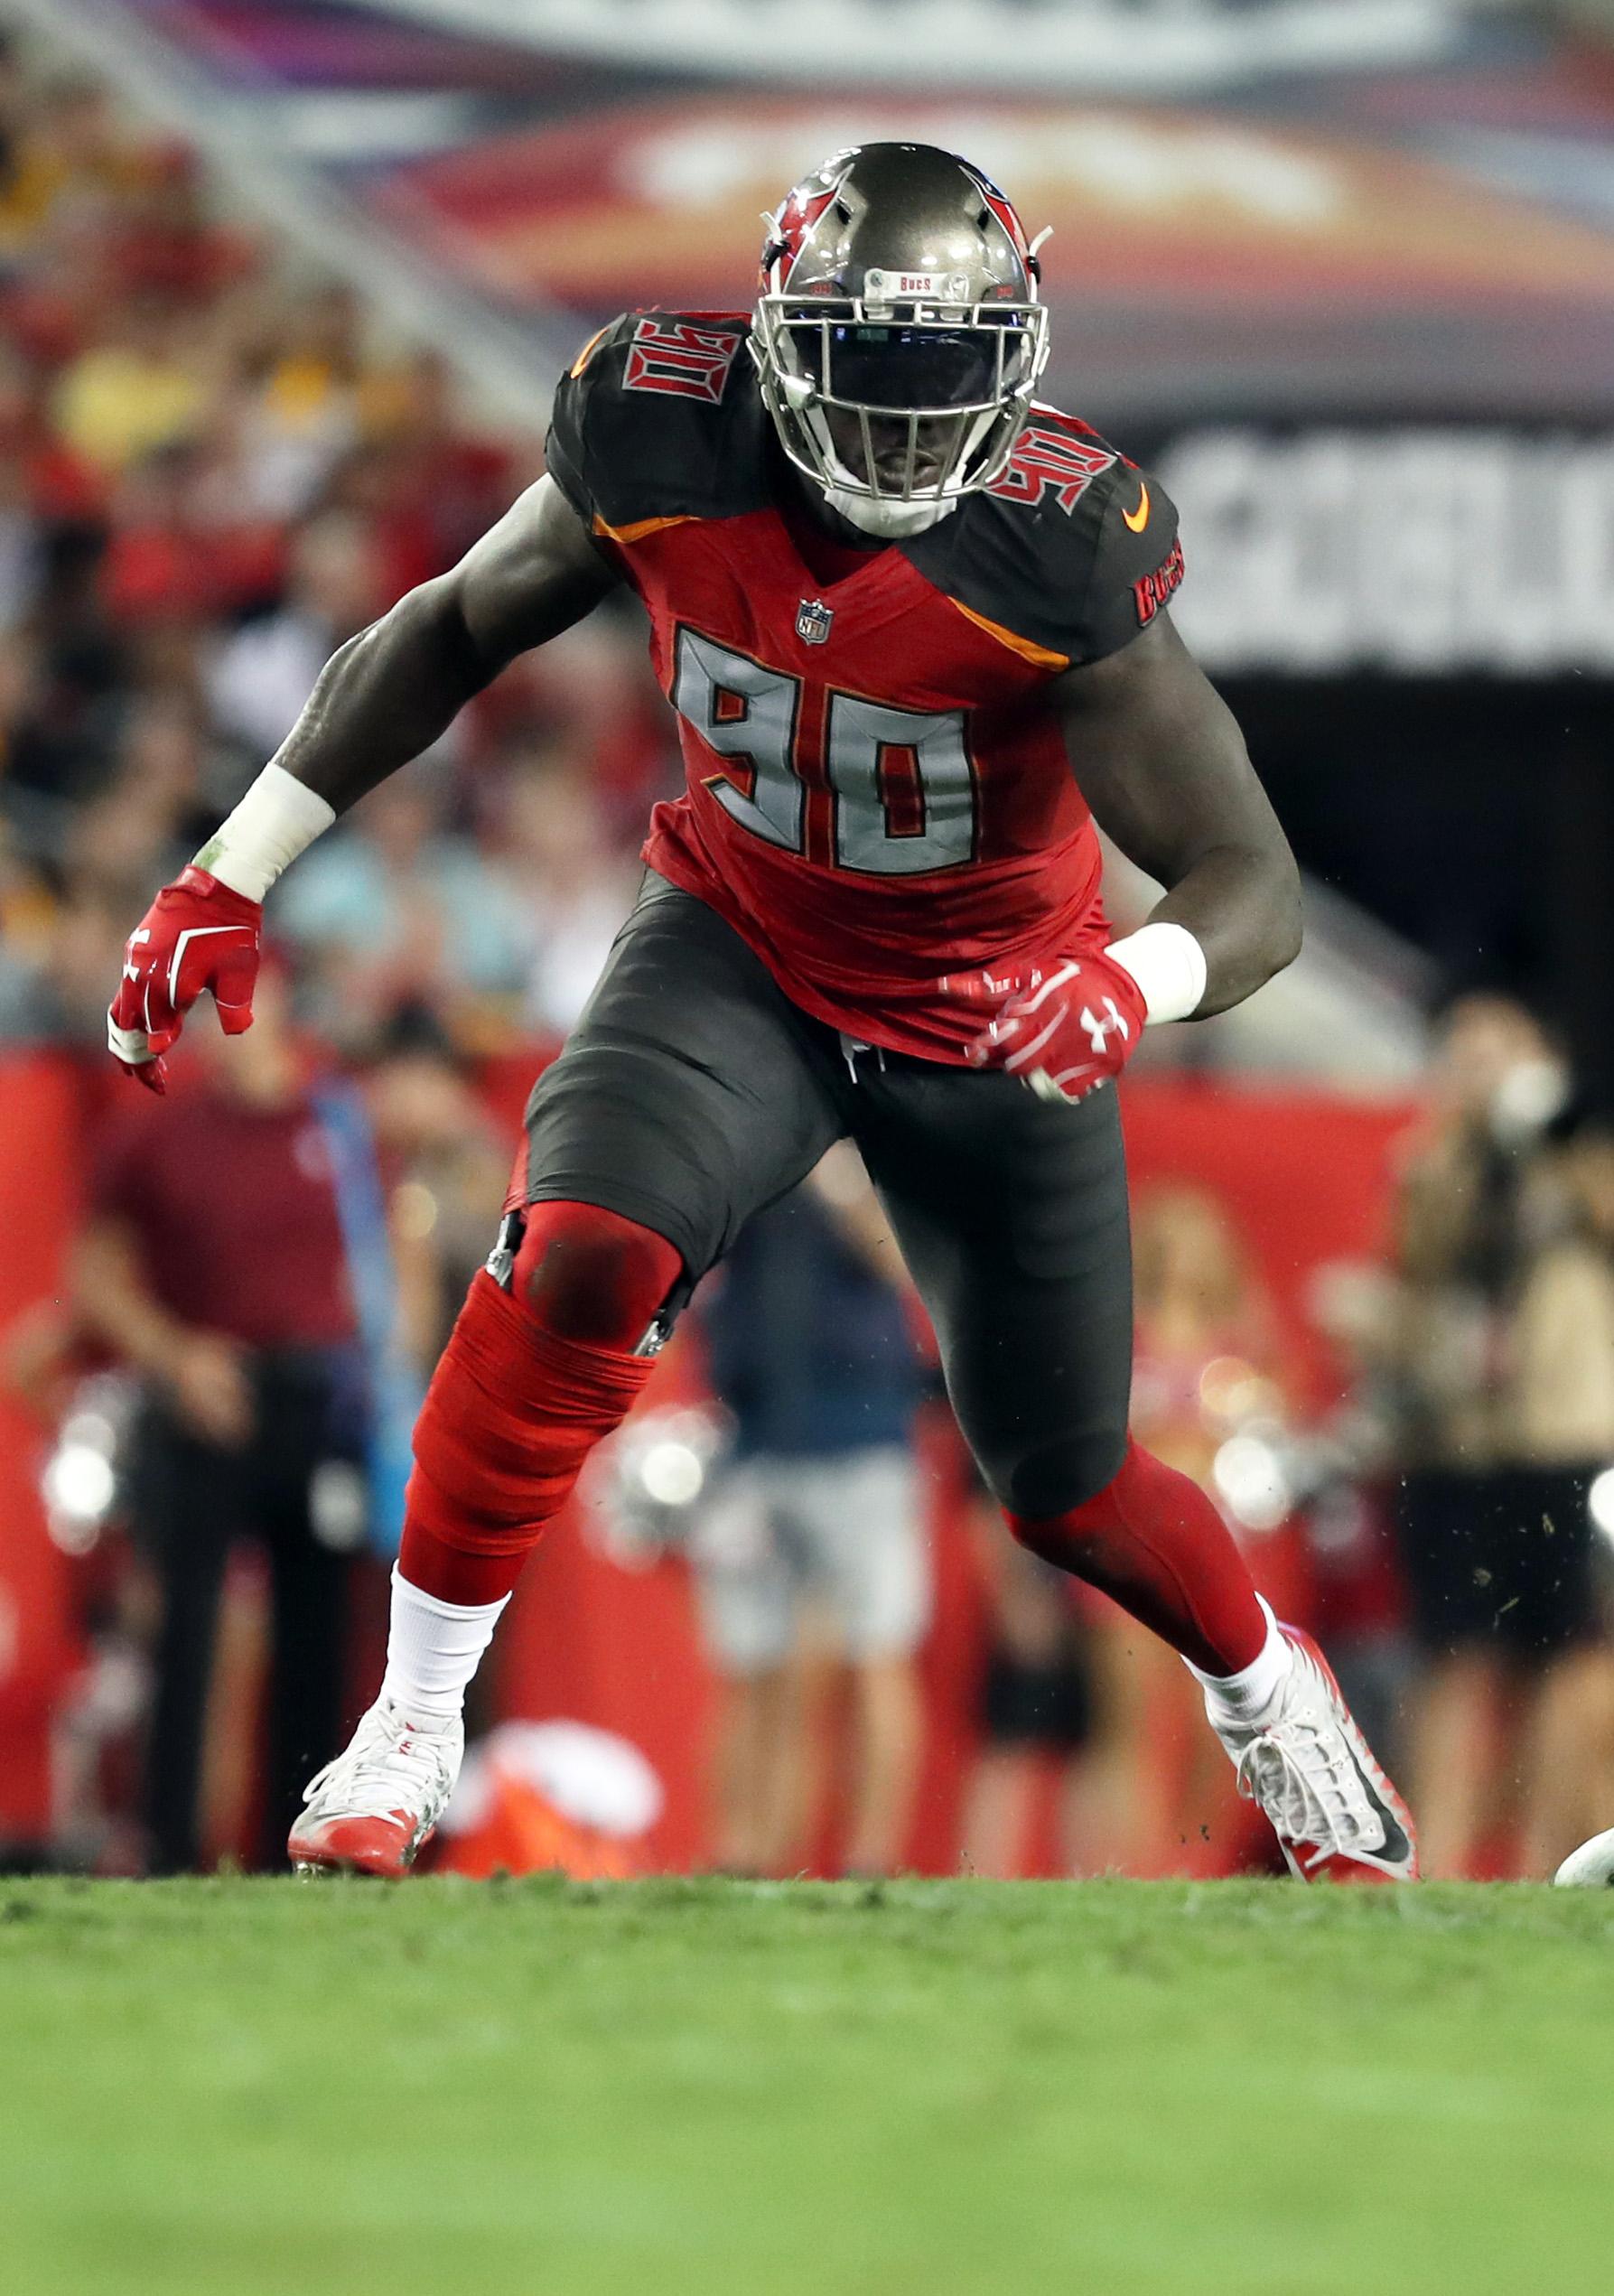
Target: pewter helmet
[899, 331]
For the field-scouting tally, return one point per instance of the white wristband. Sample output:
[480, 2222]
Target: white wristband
[276, 819]
[1167, 965]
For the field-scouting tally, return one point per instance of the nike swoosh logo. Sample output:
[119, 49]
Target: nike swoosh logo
[1397, 1845]
[1139, 519]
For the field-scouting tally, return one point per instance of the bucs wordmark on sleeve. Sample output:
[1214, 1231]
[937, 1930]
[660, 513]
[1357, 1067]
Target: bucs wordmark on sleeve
[879, 789]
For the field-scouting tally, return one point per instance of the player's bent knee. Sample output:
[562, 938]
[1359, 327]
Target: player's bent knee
[591, 1276]
[513, 1410]
[1057, 1482]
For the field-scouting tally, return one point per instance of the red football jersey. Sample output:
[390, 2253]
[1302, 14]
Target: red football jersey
[878, 791]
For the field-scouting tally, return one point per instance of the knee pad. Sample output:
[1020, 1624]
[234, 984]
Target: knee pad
[512, 1412]
[589, 1274]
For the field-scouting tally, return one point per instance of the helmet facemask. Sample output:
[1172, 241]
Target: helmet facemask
[897, 407]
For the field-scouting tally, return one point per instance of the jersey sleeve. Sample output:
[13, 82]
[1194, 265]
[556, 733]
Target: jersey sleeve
[1134, 563]
[642, 421]
[1069, 553]
[571, 449]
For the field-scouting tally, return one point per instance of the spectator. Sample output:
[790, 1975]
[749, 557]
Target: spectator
[165, 240]
[1495, 1441]
[264, 674]
[112, 845]
[811, 1550]
[426, 467]
[214, 1261]
[64, 149]
[393, 914]
[571, 886]
[1147, 1801]
[449, 1164]
[62, 693]
[1561, 1440]
[178, 549]
[1035, 1706]
[140, 387]
[54, 981]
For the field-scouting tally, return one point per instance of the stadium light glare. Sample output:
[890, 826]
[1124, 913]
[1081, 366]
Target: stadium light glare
[79, 1484]
[1249, 1477]
[672, 1473]
[1600, 1503]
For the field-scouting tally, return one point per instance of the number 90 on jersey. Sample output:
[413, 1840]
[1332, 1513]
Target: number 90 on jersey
[903, 784]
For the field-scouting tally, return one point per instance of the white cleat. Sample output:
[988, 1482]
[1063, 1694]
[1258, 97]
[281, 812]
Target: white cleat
[375, 1807]
[1590, 1867]
[1305, 1763]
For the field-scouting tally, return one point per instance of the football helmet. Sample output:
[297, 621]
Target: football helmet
[898, 333]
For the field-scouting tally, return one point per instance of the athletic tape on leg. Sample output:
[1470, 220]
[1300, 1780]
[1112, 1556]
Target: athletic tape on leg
[511, 1414]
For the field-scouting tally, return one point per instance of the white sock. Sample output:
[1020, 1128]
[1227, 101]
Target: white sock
[432, 1649]
[1240, 1697]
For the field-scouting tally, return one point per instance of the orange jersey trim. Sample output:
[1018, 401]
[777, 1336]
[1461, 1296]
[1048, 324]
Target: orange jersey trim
[587, 352]
[641, 528]
[1043, 657]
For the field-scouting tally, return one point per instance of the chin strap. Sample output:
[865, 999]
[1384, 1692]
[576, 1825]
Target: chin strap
[892, 521]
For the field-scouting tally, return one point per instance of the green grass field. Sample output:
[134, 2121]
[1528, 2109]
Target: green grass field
[1135, 2090]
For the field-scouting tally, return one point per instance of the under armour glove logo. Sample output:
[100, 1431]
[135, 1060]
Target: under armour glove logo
[1099, 1030]
[1044, 1026]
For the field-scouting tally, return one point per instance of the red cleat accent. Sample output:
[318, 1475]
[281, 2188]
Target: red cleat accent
[374, 1808]
[384, 1846]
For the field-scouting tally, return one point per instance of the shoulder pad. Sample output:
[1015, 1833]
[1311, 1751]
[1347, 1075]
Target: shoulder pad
[660, 417]
[1072, 548]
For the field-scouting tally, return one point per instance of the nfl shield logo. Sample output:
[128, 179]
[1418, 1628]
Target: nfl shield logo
[813, 619]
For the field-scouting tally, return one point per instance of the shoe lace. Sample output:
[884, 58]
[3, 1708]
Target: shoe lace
[385, 1759]
[1301, 1774]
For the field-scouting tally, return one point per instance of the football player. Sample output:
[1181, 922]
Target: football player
[915, 626]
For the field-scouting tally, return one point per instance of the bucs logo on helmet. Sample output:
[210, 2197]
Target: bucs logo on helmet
[899, 331]
[795, 218]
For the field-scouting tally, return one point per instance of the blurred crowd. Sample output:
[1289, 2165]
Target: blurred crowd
[213, 470]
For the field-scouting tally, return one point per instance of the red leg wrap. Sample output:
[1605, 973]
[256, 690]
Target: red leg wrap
[527, 1386]
[1155, 1543]
[593, 1275]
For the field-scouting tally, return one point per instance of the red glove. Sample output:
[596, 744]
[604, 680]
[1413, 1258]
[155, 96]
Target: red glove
[197, 934]
[1065, 1027]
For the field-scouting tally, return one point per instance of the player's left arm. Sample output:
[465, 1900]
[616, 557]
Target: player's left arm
[1159, 757]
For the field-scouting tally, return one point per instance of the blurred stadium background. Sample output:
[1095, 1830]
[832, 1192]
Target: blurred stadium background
[282, 289]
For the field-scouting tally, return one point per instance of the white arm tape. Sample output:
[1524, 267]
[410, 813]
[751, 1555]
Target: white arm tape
[1167, 965]
[276, 819]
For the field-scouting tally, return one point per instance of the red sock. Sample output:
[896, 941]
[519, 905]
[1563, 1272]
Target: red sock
[529, 1382]
[1153, 1542]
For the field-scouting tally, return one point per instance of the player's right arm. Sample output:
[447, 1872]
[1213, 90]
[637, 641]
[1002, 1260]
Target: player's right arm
[391, 692]
[380, 700]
